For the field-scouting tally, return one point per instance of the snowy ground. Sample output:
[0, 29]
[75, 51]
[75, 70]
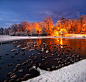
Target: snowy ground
[9, 38]
[72, 73]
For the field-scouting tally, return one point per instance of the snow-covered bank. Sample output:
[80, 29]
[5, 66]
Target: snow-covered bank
[9, 38]
[76, 35]
[72, 73]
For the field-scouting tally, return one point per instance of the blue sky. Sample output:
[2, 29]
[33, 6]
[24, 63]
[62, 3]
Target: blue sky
[16, 11]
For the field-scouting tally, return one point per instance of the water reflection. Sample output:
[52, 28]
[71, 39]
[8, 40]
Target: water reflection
[79, 45]
[61, 42]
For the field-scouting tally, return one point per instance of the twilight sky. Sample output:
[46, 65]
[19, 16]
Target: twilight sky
[16, 11]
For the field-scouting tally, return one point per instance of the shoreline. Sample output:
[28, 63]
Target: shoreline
[72, 73]
[4, 38]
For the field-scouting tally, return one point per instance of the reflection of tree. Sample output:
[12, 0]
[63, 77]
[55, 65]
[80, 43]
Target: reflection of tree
[48, 42]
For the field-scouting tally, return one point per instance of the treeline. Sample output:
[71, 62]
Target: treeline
[47, 28]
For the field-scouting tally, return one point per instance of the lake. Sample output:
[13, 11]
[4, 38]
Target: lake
[47, 54]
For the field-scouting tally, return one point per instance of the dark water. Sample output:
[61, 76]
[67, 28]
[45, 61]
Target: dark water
[72, 51]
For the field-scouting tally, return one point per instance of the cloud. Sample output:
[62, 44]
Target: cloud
[77, 14]
[68, 15]
[8, 23]
[14, 20]
[48, 13]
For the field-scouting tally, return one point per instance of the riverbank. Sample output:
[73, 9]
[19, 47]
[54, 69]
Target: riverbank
[9, 38]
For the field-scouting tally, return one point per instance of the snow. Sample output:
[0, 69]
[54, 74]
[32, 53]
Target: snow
[9, 38]
[72, 73]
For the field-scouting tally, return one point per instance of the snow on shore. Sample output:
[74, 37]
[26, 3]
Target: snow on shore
[72, 73]
[9, 38]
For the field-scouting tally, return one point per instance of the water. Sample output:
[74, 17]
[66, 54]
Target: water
[55, 59]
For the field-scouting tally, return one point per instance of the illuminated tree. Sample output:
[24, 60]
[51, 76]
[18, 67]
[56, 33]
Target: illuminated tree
[48, 24]
[24, 25]
[46, 27]
[64, 22]
[43, 31]
[33, 31]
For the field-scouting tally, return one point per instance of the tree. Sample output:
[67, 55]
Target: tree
[81, 19]
[1, 30]
[33, 31]
[43, 31]
[6, 31]
[24, 25]
[14, 27]
[64, 22]
[48, 24]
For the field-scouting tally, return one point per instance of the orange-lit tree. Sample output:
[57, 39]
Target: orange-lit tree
[48, 25]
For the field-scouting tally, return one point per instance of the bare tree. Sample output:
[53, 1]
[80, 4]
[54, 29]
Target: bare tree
[24, 25]
[6, 31]
[33, 31]
[48, 24]
[14, 27]
[1, 31]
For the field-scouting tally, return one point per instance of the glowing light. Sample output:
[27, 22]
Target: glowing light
[55, 33]
[61, 42]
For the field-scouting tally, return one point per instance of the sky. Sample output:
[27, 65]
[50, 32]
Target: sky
[16, 11]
